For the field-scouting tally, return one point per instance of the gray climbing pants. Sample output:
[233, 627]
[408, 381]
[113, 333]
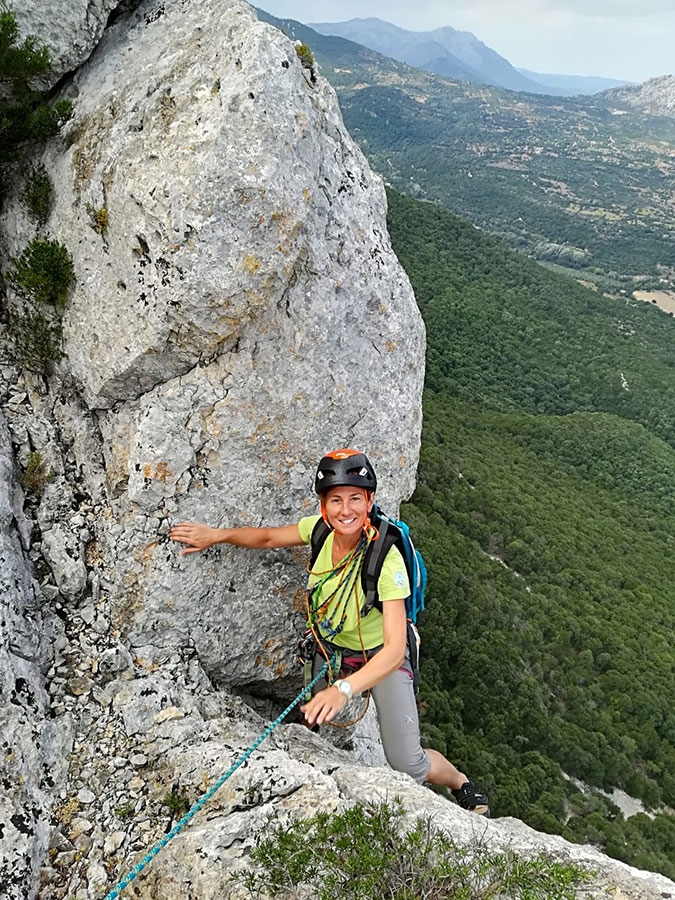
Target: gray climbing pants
[399, 723]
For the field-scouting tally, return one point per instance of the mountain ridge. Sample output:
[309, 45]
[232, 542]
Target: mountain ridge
[442, 51]
[574, 84]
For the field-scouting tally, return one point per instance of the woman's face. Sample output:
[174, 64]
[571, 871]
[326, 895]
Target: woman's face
[347, 508]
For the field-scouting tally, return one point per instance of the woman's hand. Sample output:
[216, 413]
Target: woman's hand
[198, 537]
[324, 706]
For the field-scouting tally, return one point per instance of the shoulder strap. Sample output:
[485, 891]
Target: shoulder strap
[374, 559]
[319, 534]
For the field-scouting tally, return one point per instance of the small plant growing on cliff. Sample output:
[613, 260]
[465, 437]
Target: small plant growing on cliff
[38, 194]
[366, 854]
[25, 118]
[124, 811]
[307, 59]
[67, 811]
[33, 341]
[43, 273]
[99, 218]
[36, 475]
[176, 802]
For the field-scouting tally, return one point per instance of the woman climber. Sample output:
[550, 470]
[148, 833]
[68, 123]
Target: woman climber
[374, 645]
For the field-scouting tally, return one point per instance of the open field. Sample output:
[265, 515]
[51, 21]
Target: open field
[665, 300]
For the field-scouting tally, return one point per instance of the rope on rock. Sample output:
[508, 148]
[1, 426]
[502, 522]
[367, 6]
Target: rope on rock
[138, 868]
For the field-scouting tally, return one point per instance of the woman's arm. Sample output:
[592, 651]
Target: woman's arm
[327, 703]
[200, 537]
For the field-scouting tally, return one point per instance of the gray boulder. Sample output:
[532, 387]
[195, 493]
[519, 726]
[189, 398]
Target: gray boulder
[240, 313]
[69, 28]
[32, 750]
[294, 775]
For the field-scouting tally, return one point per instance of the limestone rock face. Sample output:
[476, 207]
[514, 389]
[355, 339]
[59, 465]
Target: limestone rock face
[656, 97]
[31, 755]
[240, 313]
[69, 28]
[171, 734]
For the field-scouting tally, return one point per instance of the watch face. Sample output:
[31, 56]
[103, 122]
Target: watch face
[343, 687]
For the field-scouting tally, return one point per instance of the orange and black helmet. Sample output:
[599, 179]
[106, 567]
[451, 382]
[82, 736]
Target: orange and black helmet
[345, 467]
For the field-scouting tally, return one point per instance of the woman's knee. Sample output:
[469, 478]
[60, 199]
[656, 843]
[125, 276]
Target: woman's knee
[416, 764]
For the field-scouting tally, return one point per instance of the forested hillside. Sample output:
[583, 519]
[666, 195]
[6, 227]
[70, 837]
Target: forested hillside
[570, 181]
[545, 512]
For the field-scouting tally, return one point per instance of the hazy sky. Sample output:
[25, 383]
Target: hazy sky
[631, 39]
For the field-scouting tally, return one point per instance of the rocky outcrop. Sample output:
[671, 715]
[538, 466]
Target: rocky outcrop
[655, 97]
[241, 312]
[32, 764]
[238, 311]
[70, 29]
[165, 737]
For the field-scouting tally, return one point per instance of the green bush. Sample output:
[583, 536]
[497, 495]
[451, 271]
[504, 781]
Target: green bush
[306, 57]
[43, 273]
[33, 341]
[25, 118]
[38, 194]
[19, 64]
[176, 802]
[366, 854]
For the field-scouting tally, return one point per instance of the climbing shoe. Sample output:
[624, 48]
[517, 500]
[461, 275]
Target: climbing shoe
[470, 797]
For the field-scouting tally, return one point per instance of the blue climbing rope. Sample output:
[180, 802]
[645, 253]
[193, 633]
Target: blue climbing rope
[137, 869]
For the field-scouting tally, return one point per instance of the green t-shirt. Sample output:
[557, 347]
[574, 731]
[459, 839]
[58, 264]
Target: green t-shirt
[393, 584]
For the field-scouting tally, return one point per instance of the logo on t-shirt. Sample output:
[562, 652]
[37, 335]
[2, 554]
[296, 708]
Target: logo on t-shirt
[399, 579]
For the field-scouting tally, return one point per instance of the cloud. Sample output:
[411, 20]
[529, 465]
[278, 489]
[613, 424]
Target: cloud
[606, 9]
[609, 8]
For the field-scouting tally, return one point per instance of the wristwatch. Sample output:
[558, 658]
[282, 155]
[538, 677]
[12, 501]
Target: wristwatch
[344, 687]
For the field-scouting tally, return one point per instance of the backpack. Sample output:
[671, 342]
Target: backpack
[393, 533]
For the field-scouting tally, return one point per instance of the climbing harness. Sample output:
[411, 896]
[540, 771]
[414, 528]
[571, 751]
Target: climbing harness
[137, 869]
